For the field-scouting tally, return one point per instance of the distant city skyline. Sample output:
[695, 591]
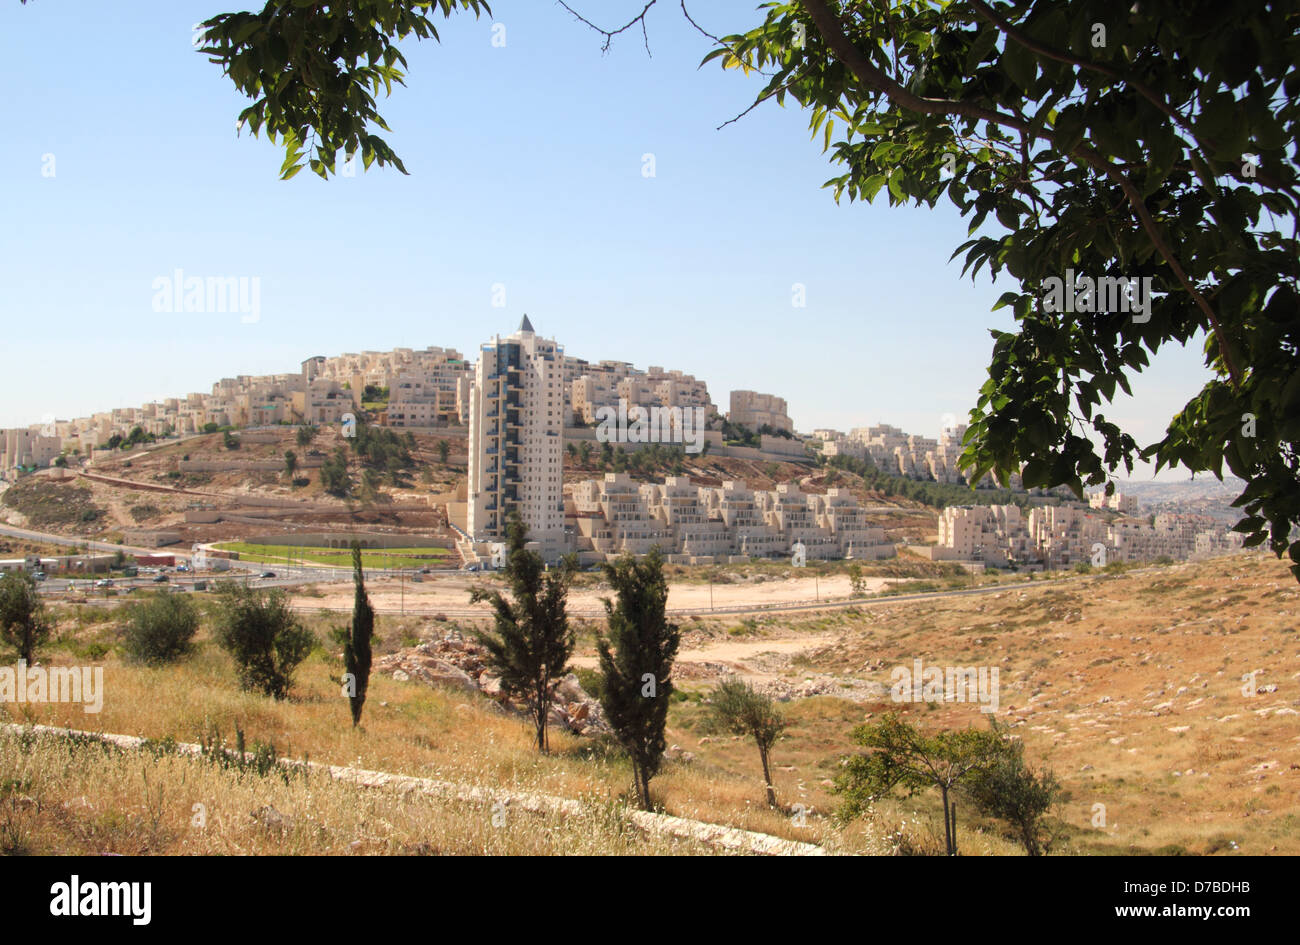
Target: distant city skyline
[524, 192]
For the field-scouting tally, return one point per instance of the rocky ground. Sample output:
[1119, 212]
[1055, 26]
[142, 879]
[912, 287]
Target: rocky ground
[453, 660]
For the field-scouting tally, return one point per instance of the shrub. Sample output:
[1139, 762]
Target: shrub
[261, 633]
[161, 629]
[591, 681]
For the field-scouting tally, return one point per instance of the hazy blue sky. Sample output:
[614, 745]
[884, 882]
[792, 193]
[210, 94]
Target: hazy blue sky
[525, 169]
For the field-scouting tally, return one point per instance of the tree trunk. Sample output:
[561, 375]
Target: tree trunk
[643, 786]
[954, 828]
[1030, 841]
[543, 741]
[767, 778]
[947, 822]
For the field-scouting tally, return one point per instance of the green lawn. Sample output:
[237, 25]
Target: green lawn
[338, 557]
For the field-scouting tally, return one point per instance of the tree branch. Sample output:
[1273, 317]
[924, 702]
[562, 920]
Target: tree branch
[610, 34]
[828, 25]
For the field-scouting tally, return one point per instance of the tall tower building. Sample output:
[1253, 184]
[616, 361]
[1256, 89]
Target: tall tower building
[516, 440]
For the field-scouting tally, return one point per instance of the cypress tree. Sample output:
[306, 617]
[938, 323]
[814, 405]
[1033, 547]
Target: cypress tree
[532, 644]
[636, 660]
[356, 648]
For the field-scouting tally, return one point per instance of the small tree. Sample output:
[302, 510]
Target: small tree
[267, 642]
[305, 435]
[901, 756]
[636, 661]
[857, 583]
[444, 450]
[1012, 791]
[532, 644]
[584, 452]
[161, 629]
[23, 622]
[290, 463]
[334, 475]
[741, 709]
[356, 639]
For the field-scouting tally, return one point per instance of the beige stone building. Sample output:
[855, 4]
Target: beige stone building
[516, 433]
[753, 410]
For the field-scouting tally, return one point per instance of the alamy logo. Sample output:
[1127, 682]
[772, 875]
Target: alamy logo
[946, 684]
[103, 899]
[1105, 294]
[637, 424]
[209, 295]
[82, 684]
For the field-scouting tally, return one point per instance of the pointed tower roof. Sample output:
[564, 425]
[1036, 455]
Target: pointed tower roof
[526, 325]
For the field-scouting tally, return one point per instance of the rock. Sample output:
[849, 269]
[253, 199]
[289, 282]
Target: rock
[271, 818]
[491, 685]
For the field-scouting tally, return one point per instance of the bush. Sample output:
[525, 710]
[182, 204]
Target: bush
[261, 633]
[161, 629]
[591, 681]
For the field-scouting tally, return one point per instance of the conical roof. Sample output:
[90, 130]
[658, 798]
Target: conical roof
[526, 325]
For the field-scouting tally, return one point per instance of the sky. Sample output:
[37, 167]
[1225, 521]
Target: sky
[121, 164]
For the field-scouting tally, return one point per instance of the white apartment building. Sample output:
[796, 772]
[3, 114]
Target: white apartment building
[516, 432]
[613, 515]
[753, 410]
[1117, 502]
[27, 448]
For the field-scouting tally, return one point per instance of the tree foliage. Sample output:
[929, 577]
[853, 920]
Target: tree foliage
[533, 641]
[636, 661]
[739, 708]
[24, 624]
[901, 756]
[1011, 790]
[334, 474]
[161, 629]
[356, 639]
[313, 70]
[260, 631]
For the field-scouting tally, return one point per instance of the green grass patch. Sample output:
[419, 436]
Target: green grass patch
[339, 557]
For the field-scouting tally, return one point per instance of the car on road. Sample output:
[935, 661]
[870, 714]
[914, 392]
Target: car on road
[267, 574]
[160, 579]
[182, 567]
[104, 582]
[38, 575]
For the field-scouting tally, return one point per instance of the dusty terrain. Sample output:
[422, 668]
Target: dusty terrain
[1172, 698]
[449, 594]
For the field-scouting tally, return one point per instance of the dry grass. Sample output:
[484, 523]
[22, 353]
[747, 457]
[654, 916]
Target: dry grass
[407, 729]
[1128, 686]
[67, 797]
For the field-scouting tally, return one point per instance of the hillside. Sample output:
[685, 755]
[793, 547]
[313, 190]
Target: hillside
[1128, 685]
[249, 484]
